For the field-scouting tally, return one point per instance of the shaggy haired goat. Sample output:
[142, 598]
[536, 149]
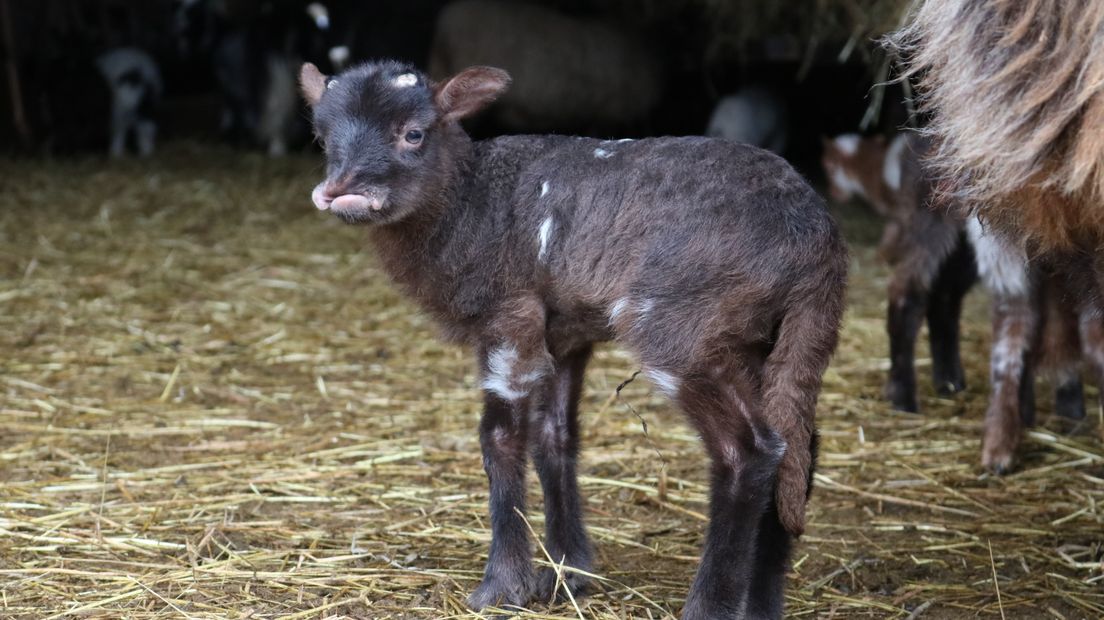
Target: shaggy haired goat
[1015, 89]
[714, 262]
[936, 257]
[1015, 94]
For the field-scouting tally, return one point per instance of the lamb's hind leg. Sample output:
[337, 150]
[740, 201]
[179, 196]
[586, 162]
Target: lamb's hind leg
[745, 456]
[555, 443]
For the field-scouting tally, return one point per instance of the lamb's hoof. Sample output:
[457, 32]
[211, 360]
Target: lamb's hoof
[949, 387]
[501, 592]
[549, 589]
[902, 398]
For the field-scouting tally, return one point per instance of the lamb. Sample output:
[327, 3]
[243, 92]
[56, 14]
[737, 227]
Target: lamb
[714, 262]
[936, 256]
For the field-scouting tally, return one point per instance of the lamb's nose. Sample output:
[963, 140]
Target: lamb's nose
[321, 198]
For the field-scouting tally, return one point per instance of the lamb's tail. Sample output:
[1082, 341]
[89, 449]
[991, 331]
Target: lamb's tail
[806, 340]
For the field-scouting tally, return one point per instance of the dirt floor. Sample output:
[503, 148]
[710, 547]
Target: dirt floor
[212, 405]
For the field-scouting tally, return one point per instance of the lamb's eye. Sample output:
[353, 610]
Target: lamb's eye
[414, 136]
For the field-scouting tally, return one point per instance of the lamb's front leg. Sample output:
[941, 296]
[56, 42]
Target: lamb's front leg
[507, 579]
[555, 443]
[515, 366]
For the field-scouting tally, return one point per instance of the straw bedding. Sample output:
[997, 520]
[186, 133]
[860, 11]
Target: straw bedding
[212, 405]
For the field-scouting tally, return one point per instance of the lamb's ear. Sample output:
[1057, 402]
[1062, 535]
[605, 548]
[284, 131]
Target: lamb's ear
[312, 83]
[469, 91]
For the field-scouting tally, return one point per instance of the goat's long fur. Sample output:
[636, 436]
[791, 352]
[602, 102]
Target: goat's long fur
[1015, 90]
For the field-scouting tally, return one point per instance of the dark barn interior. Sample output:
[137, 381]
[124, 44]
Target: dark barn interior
[214, 404]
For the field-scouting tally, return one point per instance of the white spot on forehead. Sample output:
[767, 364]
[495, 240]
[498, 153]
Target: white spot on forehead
[1002, 265]
[646, 306]
[543, 235]
[665, 381]
[544, 189]
[891, 167]
[405, 80]
[603, 153]
[848, 143]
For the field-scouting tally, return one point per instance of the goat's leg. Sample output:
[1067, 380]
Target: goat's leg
[1011, 405]
[745, 457]
[924, 246]
[1060, 346]
[956, 276]
[515, 366]
[555, 448]
[906, 314]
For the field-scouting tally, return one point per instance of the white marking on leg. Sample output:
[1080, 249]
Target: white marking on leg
[665, 381]
[848, 143]
[543, 235]
[544, 189]
[891, 167]
[500, 366]
[603, 153]
[1001, 264]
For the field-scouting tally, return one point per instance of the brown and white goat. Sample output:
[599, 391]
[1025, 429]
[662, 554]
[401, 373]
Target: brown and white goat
[1015, 95]
[936, 258]
[714, 262]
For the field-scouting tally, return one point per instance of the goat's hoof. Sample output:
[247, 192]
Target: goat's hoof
[551, 589]
[501, 592]
[998, 460]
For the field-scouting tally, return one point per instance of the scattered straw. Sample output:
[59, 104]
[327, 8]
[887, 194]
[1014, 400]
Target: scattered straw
[316, 455]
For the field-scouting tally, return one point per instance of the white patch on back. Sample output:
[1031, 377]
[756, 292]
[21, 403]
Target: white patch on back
[544, 189]
[1001, 265]
[665, 381]
[543, 235]
[603, 153]
[405, 80]
[891, 167]
[848, 143]
[617, 308]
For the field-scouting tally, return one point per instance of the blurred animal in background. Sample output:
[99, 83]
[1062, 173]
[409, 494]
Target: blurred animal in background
[136, 88]
[755, 115]
[571, 74]
[714, 262]
[254, 51]
[1015, 96]
[936, 256]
